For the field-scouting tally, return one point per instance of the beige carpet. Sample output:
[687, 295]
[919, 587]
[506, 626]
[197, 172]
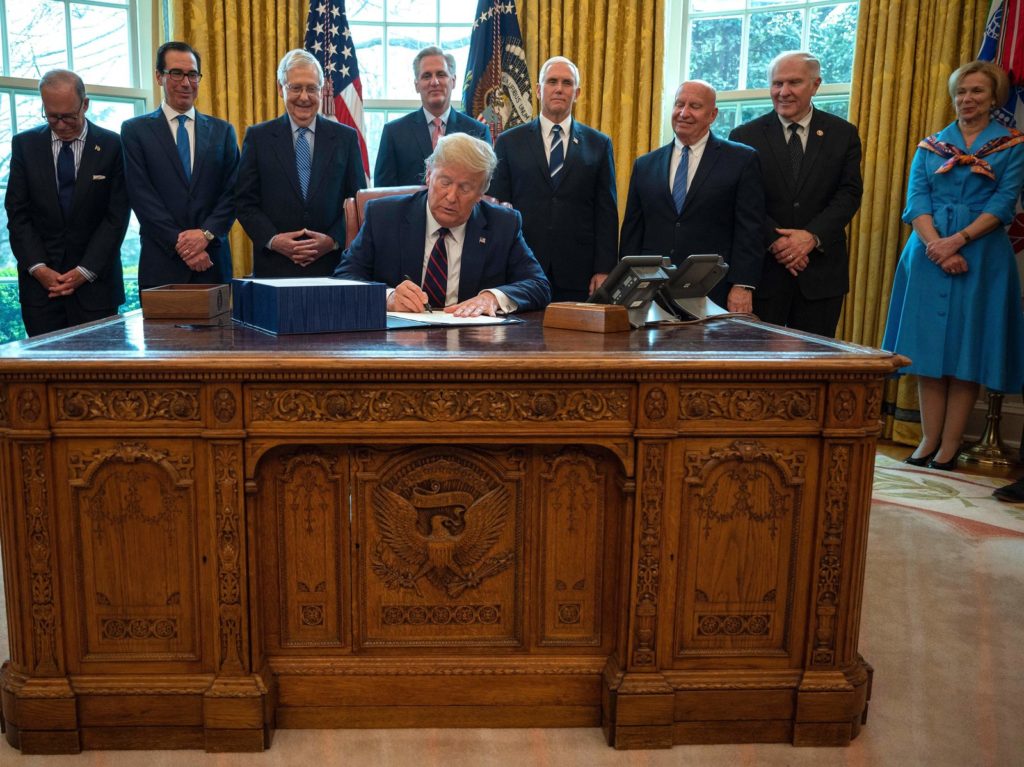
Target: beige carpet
[943, 625]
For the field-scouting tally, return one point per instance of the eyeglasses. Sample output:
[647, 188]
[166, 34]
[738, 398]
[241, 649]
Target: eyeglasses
[310, 90]
[177, 75]
[69, 118]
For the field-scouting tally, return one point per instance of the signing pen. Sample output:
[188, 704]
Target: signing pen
[426, 306]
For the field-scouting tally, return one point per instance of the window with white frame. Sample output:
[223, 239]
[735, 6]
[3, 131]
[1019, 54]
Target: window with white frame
[107, 42]
[387, 35]
[730, 43]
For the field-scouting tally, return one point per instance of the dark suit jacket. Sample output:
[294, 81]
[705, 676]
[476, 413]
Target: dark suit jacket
[571, 224]
[823, 200]
[405, 145]
[269, 200]
[390, 246]
[166, 204]
[723, 212]
[91, 237]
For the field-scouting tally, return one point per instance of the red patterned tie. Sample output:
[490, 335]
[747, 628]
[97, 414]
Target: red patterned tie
[435, 278]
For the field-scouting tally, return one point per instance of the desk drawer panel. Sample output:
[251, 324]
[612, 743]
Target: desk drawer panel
[151, 404]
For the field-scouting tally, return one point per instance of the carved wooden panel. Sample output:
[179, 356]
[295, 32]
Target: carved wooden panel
[647, 531]
[440, 546]
[779, 404]
[599, 404]
[133, 506]
[232, 657]
[829, 571]
[308, 497]
[742, 517]
[574, 496]
[119, 404]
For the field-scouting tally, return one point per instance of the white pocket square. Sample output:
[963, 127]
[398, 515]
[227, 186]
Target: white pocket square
[99, 178]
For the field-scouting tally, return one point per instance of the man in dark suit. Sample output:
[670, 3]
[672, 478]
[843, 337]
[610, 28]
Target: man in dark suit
[180, 168]
[467, 255]
[67, 212]
[406, 142]
[560, 175]
[811, 164]
[294, 176]
[699, 194]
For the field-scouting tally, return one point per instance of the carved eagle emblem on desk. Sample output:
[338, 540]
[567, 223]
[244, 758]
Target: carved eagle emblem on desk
[443, 536]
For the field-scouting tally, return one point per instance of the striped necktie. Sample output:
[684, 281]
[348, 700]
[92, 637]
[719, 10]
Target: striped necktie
[679, 182]
[303, 160]
[557, 152]
[438, 132]
[435, 277]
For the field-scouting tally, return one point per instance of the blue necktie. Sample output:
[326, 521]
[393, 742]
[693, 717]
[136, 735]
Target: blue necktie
[303, 160]
[184, 149]
[557, 153]
[435, 277]
[679, 182]
[65, 176]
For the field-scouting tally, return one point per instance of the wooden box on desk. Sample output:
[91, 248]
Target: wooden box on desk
[593, 318]
[174, 302]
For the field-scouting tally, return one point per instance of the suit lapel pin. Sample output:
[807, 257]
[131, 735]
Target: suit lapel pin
[575, 140]
[483, 240]
[820, 132]
[97, 148]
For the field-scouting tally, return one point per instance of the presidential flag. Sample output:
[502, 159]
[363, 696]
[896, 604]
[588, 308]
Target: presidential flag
[496, 89]
[329, 38]
[1004, 44]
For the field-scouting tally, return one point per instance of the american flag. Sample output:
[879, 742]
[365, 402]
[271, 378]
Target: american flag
[1004, 44]
[496, 89]
[329, 38]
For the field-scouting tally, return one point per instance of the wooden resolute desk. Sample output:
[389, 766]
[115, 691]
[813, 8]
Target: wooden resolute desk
[212, 532]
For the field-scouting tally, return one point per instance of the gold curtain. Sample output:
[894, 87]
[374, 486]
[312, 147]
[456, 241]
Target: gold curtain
[906, 50]
[620, 50]
[240, 42]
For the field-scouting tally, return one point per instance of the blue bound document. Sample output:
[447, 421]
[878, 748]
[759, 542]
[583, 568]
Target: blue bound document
[309, 305]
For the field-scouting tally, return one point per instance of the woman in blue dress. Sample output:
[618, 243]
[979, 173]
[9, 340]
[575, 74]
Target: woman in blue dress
[956, 303]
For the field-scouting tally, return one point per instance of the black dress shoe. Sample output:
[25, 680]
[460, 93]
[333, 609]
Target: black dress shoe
[922, 461]
[944, 465]
[1013, 493]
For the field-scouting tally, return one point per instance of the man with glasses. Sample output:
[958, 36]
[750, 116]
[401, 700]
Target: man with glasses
[445, 248]
[294, 176]
[67, 212]
[180, 167]
[406, 142]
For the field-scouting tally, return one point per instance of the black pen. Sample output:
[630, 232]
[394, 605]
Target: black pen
[426, 306]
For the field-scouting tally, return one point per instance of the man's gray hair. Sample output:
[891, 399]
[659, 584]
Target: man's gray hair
[55, 78]
[559, 60]
[807, 59]
[432, 50]
[299, 58]
[466, 152]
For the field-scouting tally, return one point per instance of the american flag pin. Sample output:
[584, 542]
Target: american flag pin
[820, 132]
[97, 147]
[483, 240]
[575, 140]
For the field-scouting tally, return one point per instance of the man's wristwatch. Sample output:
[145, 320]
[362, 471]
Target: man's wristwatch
[208, 235]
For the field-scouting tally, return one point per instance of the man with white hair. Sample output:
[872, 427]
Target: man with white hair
[294, 176]
[812, 186]
[560, 174]
[445, 247]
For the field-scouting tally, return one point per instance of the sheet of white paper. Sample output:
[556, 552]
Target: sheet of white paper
[440, 318]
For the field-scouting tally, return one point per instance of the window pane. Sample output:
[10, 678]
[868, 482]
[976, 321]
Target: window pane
[833, 39]
[420, 11]
[403, 45]
[110, 114]
[365, 10]
[130, 249]
[838, 107]
[458, 11]
[28, 110]
[770, 34]
[99, 39]
[6, 134]
[698, 6]
[751, 109]
[455, 40]
[375, 119]
[715, 52]
[767, 3]
[369, 42]
[726, 121]
[37, 41]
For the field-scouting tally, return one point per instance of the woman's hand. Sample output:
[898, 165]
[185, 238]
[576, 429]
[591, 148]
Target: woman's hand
[944, 248]
[955, 264]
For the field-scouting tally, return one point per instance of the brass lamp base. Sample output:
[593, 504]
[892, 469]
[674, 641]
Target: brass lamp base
[990, 450]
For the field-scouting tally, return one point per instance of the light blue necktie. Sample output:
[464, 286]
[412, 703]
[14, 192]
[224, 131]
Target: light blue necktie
[184, 149]
[679, 182]
[303, 160]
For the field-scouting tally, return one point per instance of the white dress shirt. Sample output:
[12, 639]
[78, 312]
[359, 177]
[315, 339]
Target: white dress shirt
[696, 152]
